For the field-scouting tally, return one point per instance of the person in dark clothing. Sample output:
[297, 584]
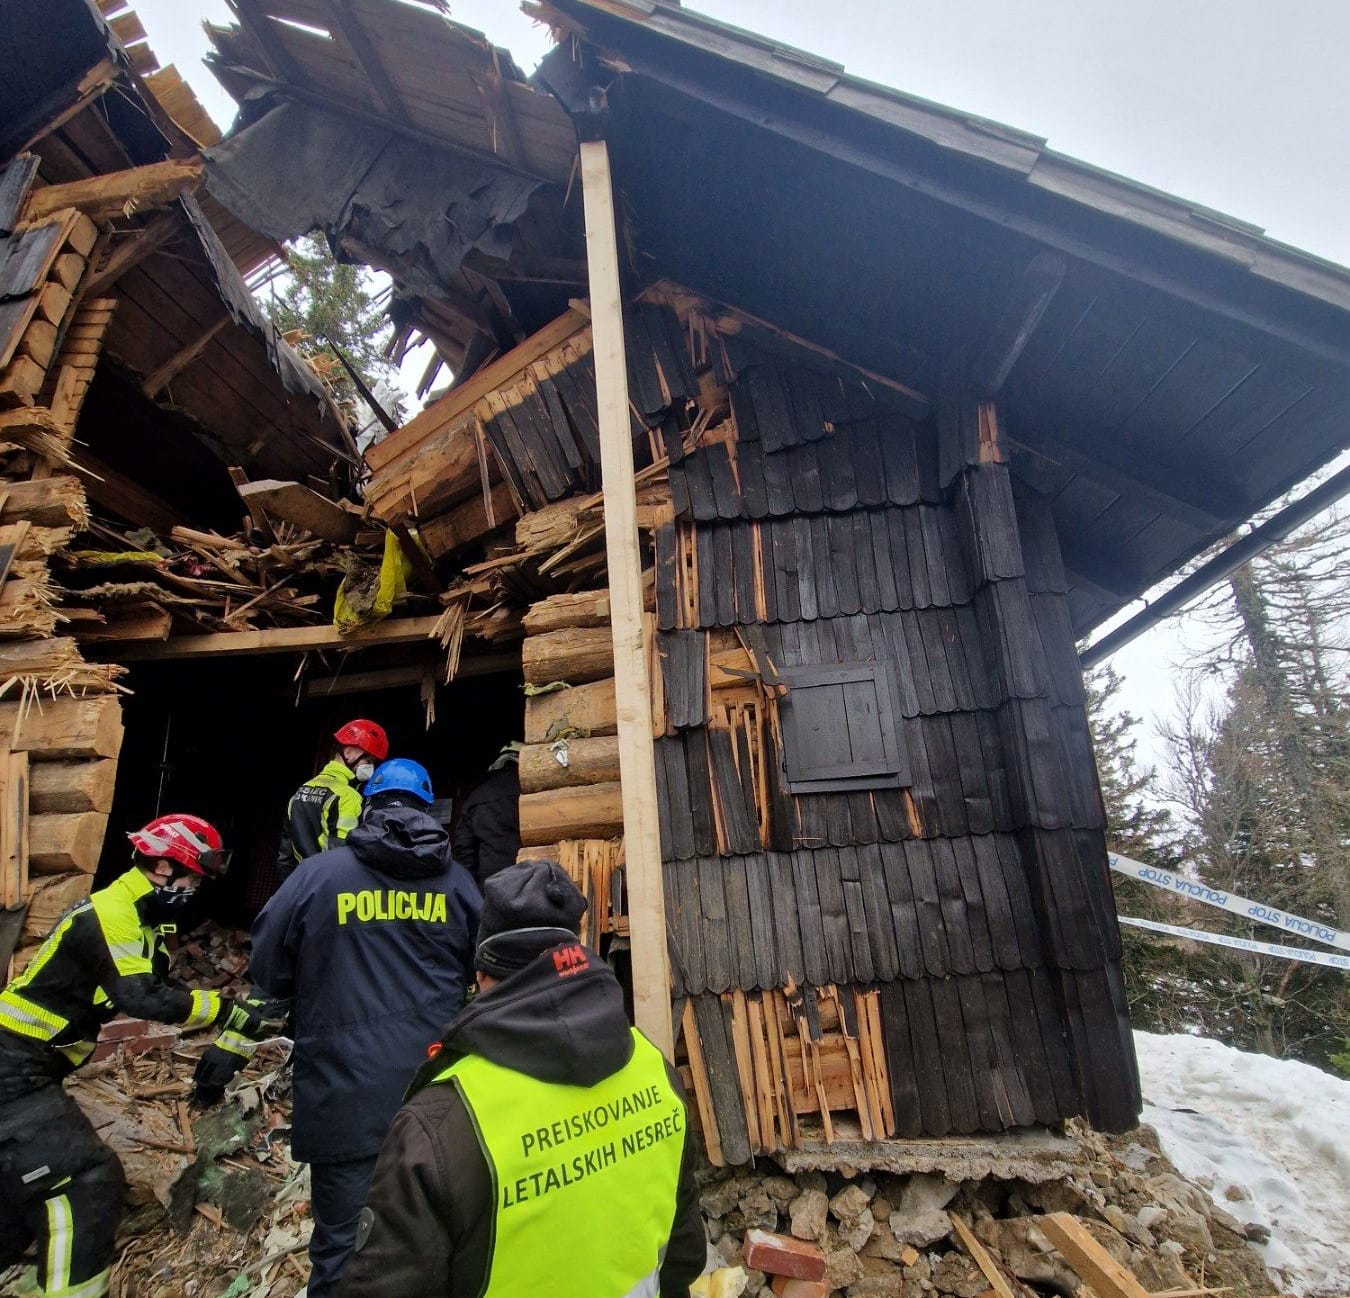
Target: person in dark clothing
[372, 942]
[59, 1183]
[487, 838]
[543, 1148]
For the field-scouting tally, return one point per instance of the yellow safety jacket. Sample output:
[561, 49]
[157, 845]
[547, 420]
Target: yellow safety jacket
[103, 956]
[568, 1160]
[320, 814]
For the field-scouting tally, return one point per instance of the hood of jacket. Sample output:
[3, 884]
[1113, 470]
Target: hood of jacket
[402, 842]
[560, 1019]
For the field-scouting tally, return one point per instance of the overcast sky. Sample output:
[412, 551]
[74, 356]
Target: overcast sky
[1240, 105]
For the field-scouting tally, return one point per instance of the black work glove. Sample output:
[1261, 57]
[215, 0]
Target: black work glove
[256, 1017]
[215, 1070]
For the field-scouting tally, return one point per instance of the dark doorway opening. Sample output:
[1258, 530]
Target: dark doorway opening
[232, 738]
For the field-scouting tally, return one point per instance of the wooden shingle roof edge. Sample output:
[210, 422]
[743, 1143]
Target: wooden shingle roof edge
[992, 143]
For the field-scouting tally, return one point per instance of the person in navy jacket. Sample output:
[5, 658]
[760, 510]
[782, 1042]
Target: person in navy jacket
[373, 942]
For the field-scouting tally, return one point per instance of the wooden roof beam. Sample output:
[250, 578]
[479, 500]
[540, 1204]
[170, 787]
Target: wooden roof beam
[131, 249]
[161, 377]
[1006, 343]
[220, 644]
[1171, 488]
[253, 18]
[113, 194]
[358, 42]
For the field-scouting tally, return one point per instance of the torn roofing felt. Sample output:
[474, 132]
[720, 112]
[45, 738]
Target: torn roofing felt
[419, 209]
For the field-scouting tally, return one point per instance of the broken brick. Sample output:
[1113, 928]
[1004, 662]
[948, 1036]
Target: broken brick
[781, 1255]
[786, 1287]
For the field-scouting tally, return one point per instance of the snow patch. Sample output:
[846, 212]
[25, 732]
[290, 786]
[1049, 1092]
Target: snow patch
[1270, 1140]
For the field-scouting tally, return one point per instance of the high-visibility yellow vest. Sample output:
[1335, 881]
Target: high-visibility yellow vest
[585, 1176]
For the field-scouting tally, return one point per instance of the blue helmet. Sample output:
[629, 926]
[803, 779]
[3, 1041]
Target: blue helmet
[400, 775]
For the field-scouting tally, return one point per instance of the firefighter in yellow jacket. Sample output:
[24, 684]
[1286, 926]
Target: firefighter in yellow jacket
[59, 1184]
[324, 810]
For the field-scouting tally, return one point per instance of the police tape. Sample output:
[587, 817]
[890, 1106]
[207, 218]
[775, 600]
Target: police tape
[1179, 885]
[1242, 943]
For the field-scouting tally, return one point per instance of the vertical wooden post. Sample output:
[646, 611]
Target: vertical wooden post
[13, 827]
[637, 760]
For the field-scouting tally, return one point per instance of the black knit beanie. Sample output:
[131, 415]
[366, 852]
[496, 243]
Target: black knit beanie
[527, 909]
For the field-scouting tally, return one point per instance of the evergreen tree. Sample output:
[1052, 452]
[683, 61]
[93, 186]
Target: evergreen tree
[325, 302]
[1137, 825]
[1262, 779]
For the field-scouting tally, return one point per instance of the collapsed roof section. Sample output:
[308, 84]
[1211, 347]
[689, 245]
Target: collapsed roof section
[183, 332]
[1162, 371]
[416, 146]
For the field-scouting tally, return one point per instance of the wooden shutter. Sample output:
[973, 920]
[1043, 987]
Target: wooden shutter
[839, 729]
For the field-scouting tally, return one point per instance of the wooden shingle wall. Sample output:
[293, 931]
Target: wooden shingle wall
[812, 530]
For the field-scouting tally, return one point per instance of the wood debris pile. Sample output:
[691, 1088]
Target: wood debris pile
[213, 1197]
[140, 586]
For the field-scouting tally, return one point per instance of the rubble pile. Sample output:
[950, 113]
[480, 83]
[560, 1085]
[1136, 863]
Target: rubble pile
[215, 1204]
[879, 1235]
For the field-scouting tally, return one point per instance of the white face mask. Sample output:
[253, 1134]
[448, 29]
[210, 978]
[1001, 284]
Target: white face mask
[363, 771]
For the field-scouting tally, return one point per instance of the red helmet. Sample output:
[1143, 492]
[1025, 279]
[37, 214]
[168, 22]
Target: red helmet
[367, 736]
[191, 841]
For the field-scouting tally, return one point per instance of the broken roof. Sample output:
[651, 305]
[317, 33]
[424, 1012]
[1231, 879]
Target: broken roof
[1163, 371]
[82, 107]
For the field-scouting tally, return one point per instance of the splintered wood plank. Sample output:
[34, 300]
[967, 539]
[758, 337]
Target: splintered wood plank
[293, 502]
[116, 193]
[703, 1094]
[745, 1070]
[1089, 1260]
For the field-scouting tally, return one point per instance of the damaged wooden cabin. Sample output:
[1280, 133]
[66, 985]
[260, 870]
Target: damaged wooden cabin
[910, 404]
[891, 407]
[137, 375]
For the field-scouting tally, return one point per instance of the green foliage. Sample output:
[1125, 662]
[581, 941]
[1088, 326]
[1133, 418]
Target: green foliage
[1261, 780]
[1340, 1061]
[327, 302]
[1137, 825]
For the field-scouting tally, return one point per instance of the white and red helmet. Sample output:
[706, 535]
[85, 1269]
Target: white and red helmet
[191, 841]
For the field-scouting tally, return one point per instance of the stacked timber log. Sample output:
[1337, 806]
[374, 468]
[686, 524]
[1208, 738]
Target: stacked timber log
[569, 768]
[58, 760]
[60, 726]
[571, 805]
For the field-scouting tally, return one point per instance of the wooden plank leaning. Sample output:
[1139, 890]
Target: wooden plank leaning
[642, 841]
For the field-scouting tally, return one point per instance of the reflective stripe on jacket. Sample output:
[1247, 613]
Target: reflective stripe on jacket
[561, 1155]
[102, 957]
[320, 814]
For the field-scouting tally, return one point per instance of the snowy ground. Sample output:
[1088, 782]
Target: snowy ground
[1270, 1138]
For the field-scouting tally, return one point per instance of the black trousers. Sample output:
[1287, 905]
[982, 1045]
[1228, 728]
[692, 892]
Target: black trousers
[61, 1185]
[337, 1193]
